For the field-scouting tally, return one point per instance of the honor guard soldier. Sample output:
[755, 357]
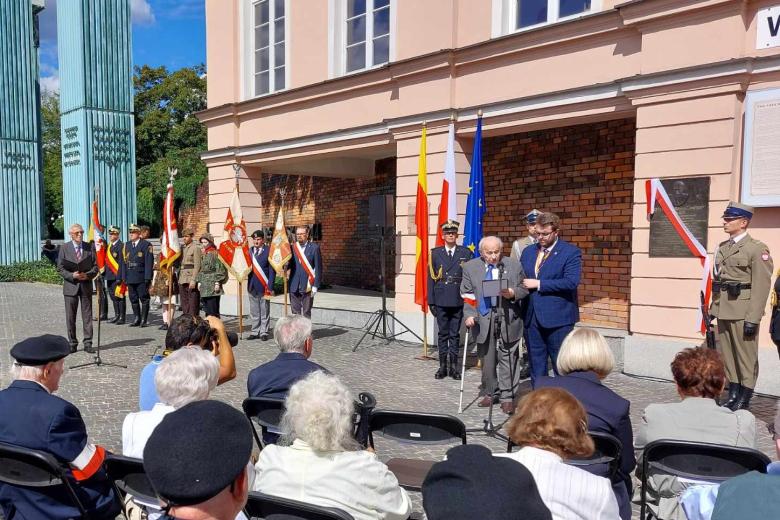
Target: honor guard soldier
[521, 243]
[32, 417]
[138, 274]
[115, 265]
[740, 288]
[444, 277]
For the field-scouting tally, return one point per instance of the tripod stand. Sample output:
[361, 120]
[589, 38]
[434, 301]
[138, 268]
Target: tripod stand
[97, 360]
[382, 316]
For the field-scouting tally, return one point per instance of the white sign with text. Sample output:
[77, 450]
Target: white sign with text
[768, 28]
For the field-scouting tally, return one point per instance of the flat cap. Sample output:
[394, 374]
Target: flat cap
[472, 483]
[258, 234]
[450, 225]
[737, 210]
[113, 229]
[133, 228]
[39, 350]
[216, 451]
[532, 216]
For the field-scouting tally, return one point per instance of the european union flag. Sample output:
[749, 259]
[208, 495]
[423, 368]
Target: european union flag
[475, 203]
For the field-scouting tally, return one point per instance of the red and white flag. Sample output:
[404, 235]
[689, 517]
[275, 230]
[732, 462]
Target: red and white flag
[170, 249]
[234, 249]
[448, 207]
[95, 234]
[280, 252]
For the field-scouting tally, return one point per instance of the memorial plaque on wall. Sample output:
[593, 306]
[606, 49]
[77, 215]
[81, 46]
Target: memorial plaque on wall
[690, 197]
[761, 149]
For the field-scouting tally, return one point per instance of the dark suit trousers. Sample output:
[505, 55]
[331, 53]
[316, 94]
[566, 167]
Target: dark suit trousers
[190, 299]
[301, 303]
[544, 343]
[138, 291]
[71, 306]
[448, 320]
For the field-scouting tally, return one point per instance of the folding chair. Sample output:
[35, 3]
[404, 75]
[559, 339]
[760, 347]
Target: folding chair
[24, 467]
[269, 507]
[415, 428]
[130, 478]
[697, 461]
[265, 411]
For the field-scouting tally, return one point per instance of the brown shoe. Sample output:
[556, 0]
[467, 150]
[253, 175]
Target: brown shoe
[507, 407]
[485, 402]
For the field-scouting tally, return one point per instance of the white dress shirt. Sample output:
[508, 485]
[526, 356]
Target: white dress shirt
[138, 427]
[569, 493]
[353, 481]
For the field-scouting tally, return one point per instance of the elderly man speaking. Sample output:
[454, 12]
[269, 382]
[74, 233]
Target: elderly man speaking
[482, 314]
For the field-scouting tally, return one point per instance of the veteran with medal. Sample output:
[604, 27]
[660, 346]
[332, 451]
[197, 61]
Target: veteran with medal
[445, 272]
[740, 288]
[138, 273]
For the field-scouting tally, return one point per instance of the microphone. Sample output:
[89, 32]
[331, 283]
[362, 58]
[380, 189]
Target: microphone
[500, 266]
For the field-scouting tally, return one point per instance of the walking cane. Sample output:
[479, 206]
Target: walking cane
[463, 370]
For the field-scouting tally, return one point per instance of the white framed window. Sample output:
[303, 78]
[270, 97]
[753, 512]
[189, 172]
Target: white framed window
[268, 59]
[517, 15]
[362, 34]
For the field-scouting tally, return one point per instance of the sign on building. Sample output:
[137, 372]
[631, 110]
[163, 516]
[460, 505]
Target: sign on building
[768, 27]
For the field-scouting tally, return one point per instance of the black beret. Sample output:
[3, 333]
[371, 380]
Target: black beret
[217, 448]
[472, 483]
[40, 350]
[258, 234]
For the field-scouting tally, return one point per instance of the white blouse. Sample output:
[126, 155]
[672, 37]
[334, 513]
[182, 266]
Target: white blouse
[138, 427]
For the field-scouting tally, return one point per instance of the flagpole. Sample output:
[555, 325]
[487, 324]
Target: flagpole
[237, 169]
[98, 278]
[171, 174]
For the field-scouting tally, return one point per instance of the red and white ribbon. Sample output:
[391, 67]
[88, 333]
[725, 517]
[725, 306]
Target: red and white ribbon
[656, 193]
[299, 253]
[260, 274]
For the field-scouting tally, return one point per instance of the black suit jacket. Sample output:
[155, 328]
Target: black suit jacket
[445, 291]
[67, 264]
[275, 378]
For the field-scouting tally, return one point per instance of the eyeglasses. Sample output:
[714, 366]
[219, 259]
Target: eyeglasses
[547, 234]
[76, 232]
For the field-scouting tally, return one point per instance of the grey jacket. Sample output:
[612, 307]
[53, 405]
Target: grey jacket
[65, 261]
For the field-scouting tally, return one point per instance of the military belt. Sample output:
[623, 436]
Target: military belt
[723, 286]
[188, 266]
[451, 279]
[133, 264]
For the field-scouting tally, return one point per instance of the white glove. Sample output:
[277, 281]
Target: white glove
[314, 290]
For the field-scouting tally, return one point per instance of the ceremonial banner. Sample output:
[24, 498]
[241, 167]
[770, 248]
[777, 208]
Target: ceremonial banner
[448, 207]
[280, 252]
[655, 191]
[170, 249]
[234, 250]
[421, 223]
[475, 203]
[95, 234]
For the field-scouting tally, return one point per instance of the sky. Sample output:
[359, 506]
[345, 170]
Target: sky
[165, 32]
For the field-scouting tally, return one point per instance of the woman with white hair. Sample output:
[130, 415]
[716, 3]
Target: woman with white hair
[186, 375]
[324, 465]
[584, 360]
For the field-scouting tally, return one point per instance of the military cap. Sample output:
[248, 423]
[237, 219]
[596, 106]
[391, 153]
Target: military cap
[133, 228]
[188, 233]
[258, 234]
[217, 450]
[532, 216]
[450, 225]
[737, 210]
[39, 350]
[113, 229]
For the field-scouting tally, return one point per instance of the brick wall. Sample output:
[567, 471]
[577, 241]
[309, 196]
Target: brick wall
[585, 174]
[196, 217]
[350, 248]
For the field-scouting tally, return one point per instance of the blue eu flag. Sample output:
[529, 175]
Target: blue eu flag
[475, 203]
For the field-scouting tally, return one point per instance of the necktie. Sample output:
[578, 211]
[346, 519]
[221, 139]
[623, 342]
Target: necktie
[486, 302]
[540, 258]
[449, 253]
[78, 254]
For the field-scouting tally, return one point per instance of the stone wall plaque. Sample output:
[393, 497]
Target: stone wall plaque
[690, 197]
[761, 151]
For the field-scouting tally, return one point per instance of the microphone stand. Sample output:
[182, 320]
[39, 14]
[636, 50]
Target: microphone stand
[97, 361]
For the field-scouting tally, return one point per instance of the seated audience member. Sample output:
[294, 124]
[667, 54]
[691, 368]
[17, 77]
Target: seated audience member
[550, 426]
[209, 334]
[186, 375]
[274, 379]
[584, 361]
[324, 465]
[198, 461]
[471, 483]
[32, 417]
[700, 379]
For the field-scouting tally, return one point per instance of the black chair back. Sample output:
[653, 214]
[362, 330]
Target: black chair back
[24, 467]
[605, 461]
[416, 427]
[269, 507]
[697, 461]
[265, 411]
[130, 478]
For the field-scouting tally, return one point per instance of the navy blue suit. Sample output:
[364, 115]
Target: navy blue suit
[301, 300]
[138, 272]
[552, 310]
[444, 295]
[607, 413]
[274, 379]
[253, 285]
[32, 418]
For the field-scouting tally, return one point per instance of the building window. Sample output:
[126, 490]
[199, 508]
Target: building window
[269, 46]
[515, 15]
[367, 34]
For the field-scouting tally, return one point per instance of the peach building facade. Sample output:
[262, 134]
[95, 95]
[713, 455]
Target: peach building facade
[629, 91]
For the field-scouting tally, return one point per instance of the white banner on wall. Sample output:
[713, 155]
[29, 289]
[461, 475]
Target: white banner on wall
[761, 153]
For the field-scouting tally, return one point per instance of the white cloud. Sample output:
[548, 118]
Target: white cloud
[141, 12]
[50, 83]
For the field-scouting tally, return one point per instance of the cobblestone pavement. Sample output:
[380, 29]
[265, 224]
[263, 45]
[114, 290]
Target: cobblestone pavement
[106, 394]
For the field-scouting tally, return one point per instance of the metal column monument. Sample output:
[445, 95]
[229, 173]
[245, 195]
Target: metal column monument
[21, 188]
[96, 103]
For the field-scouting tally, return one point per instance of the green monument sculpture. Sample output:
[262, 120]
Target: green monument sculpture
[96, 106]
[21, 185]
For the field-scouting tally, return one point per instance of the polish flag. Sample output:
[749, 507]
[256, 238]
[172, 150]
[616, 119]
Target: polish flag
[448, 208]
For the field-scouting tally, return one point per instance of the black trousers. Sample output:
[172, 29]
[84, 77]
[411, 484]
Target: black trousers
[112, 285]
[448, 320]
[138, 291]
[211, 305]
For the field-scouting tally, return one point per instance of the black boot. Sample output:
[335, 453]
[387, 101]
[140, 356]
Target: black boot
[454, 367]
[137, 313]
[115, 305]
[734, 391]
[122, 306]
[743, 402]
[442, 372]
[144, 314]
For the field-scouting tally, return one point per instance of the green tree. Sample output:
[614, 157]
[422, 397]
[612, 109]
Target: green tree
[52, 163]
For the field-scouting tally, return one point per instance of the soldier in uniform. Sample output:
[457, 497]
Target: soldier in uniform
[190, 267]
[115, 265]
[444, 276]
[138, 274]
[521, 243]
[740, 288]
[32, 417]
